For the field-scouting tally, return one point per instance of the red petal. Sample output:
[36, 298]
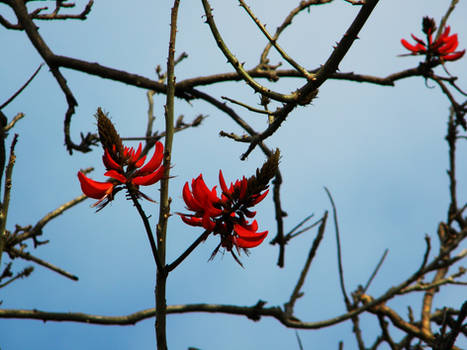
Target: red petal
[224, 188]
[155, 161]
[127, 151]
[410, 47]
[109, 162]
[418, 40]
[247, 238]
[449, 46]
[140, 161]
[137, 153]
[247, 231]
[446, 32]
[116, 175]
[193, 221]
[190, 201]
[202, 193]
[150, 179]
[259, 198]
[208, 224]
[243, 187]
[249, 214]
[454, 56]
[94, 189]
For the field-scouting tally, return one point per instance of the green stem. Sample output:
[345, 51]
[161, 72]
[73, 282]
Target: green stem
[161, 278]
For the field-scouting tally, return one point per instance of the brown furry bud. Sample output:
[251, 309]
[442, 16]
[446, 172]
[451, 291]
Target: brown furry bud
[260, 181]
[109, 137]
[428, 25]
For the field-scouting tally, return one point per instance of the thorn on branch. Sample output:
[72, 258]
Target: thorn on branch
[255, 313]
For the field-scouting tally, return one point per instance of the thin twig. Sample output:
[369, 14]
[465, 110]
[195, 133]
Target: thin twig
[308, 92]
[420, 287]
[237, 65]
[339, 253]
[279, 213]
[375, 271]
[7, 102]
[299, 341]
[250, 108]
[385, 333]
[13, 121]
[187, 252]
[279, 49]
[25, 273]
[56, 16]
[303, 5]
[289, 306]
[30, 257]
[151, 118]
[147, 228]
[37, 229]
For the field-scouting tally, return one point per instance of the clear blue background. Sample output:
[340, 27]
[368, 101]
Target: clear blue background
[380, 150]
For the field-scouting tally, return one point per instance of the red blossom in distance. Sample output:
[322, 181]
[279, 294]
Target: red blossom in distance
[125, 166]
[228, 214]
[225, 215]
[444, 47]
[131, 173]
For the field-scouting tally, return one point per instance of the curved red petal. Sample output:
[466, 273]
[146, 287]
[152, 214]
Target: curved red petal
[212, 211]
[251, 227]
[449, 46]
[224, 188]
[192, 221]
[94, 189]
[247, 231]
[127, 151]
[417, 39]
[243, 187]
[208, 224]
[140, 161]
[446, 32]
[109, 162]
[150, 179]
[248, 239]
[454, 56]
[116, 175]
[259, 198]
[154, 162]
[199, 189]
[409, 46]
[202, 193]
[137, 153]
[191, 203]
[249, 214]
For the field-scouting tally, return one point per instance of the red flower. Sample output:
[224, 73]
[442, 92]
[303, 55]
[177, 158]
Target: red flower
[225, 215]
[444, 47]
[128, 171]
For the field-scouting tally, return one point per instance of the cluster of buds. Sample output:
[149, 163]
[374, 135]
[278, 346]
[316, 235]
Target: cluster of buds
[228, 215]
[125, 166]
[444, 47]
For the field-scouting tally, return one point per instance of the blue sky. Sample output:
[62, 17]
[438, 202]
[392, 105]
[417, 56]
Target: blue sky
[380, 150]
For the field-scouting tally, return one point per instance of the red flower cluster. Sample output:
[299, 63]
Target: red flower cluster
[227, 215]
[444, 47]
[129, 171]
